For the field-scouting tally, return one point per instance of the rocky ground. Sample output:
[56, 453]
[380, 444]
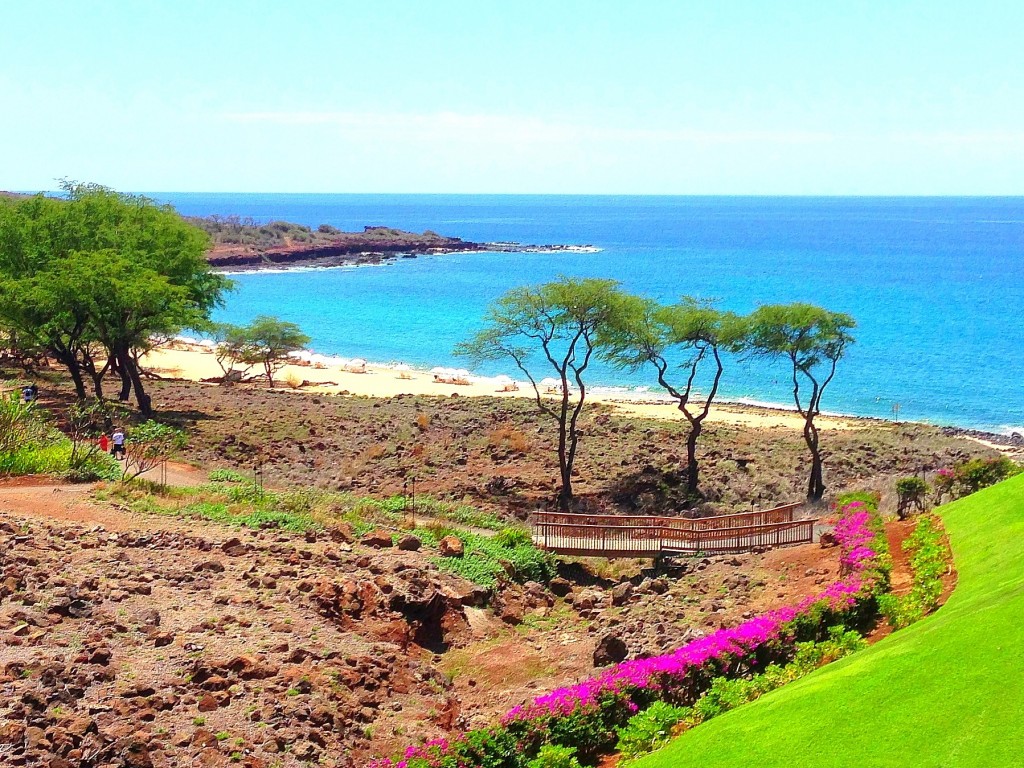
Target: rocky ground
[499, 454]
[150, 640]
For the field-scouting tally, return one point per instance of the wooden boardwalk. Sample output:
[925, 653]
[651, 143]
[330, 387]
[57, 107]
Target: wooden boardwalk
[614, 536]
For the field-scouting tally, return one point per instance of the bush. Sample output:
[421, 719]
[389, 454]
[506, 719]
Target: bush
[973, 475]
[911, 492]
[510, 538]
[554, 756]
[650, 729]
[226, 476]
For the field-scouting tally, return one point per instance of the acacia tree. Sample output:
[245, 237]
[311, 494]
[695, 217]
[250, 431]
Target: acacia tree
[230, 351]
[268, 341]
[813, 340]
[684, 339]
[554, 326]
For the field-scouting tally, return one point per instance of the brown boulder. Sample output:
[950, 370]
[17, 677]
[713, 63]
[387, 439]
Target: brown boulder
[378, 539]
[409, 543]
[233, 547]
[451, 546]
[610, 650]
[621, 593]
[560, 587]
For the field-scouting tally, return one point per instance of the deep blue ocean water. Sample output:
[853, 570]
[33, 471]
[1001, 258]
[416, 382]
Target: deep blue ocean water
[936, 284]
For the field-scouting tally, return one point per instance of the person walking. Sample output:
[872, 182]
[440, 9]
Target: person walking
[104, 443]
[118, 440]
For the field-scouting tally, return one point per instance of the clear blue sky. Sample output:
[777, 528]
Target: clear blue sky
[678, 97]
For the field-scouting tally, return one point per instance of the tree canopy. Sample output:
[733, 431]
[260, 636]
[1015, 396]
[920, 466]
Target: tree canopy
[97, 274]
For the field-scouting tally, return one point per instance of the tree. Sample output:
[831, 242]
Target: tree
[230, 352]
[269, 341]
[813, 340]
[102, 269]
[678, 338]
[554, 326]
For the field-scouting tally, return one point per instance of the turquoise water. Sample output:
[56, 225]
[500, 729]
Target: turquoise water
[936, 284]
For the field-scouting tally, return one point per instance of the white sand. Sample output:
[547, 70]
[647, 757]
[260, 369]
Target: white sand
[193, 362]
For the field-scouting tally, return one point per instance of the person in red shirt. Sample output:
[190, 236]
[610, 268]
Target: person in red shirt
[104, 443]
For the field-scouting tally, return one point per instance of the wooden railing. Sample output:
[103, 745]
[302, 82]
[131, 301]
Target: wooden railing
[627, 536]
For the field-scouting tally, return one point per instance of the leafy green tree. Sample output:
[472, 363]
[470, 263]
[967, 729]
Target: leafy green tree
[677, 340]
[813, 340]
[552, 327]
[92, 276]
[269, 341]
[231, 349]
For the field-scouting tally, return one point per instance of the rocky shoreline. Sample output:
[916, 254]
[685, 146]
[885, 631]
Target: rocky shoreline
[373, 246]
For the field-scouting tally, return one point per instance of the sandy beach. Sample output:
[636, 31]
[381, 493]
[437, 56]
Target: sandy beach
[196, 362]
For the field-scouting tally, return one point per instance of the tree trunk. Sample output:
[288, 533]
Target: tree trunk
[127, 364]
[692, 468]
[70, 361]
[126, 382]
[565, 470]
[815, 483]
[76, 377]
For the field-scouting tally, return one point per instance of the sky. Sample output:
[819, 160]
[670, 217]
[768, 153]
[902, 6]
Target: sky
[481, 96]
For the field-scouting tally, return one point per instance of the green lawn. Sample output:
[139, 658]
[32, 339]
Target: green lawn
[947, 691]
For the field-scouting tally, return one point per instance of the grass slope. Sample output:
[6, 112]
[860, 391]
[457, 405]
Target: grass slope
[947, 691]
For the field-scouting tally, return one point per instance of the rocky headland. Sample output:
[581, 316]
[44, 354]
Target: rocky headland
[244, 245]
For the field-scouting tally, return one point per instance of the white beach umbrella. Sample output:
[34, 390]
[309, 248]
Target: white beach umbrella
[549, 382]
[503, 380]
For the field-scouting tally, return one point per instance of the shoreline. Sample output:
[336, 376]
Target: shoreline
[193, 360]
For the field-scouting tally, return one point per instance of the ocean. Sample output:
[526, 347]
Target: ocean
[936, 284]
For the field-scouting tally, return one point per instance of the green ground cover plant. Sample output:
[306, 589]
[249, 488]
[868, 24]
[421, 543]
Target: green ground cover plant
[231, 498]
[486, 560]
[653, 727]
[942, 692]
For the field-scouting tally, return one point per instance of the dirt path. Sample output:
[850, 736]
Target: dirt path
[901, 579]
[44, 498]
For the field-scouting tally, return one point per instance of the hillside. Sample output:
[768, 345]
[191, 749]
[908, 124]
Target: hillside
[945, 692]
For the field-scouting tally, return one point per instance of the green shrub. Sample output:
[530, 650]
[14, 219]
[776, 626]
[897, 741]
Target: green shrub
[911, 492]
[650, 729]
[867, 497]
[513, 537]
[554, 756]
[227, 476]
[973, 475]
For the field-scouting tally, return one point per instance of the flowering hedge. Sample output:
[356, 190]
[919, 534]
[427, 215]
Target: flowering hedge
[586, 715]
